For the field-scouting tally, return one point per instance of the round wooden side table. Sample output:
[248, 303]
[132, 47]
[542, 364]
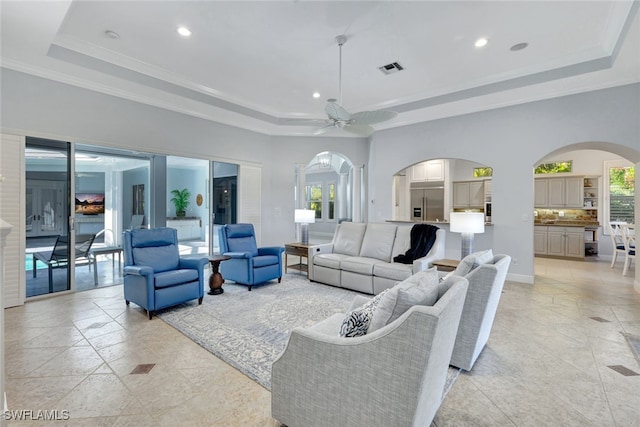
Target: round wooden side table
[216, 280]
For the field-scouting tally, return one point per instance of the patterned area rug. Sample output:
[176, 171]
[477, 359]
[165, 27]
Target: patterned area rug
[248, 330]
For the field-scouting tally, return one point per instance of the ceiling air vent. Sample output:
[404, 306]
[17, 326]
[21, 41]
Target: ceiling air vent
[394, 67]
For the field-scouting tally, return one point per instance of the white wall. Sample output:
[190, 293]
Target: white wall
[511, 140]
[39, 107]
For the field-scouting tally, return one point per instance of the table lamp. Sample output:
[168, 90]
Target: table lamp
[304, 217]
[466, 223]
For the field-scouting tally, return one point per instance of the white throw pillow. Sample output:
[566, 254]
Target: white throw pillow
[471, 261]
[419, 289]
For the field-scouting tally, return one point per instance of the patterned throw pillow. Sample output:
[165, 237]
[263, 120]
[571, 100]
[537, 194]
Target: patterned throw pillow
[356, 322]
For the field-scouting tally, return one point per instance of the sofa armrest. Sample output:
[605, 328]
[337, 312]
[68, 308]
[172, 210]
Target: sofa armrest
[271, 250]
[138, 270]
[325, 248]
[238, 254]
[435, 253]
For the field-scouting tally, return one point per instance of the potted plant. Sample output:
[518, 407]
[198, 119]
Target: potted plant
[180, 201]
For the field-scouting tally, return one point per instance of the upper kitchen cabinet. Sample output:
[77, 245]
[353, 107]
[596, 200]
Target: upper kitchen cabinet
[559, 192]
[432, 170]
[468, 194]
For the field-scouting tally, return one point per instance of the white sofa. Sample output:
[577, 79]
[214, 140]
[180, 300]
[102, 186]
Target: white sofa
[360, 257]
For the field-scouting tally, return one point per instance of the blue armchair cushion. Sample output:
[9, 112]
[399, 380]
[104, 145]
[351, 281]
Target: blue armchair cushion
[264, 260]
[155, 248]
[160, 258]
[241, 238]
[175, 277]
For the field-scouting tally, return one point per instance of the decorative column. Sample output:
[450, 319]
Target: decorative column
[358, 196]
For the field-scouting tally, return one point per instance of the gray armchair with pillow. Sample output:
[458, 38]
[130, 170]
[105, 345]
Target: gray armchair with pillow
[486, 274]
[391, 376]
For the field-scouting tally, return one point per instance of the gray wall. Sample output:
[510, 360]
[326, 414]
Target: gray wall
[511, 140]
[40, 107]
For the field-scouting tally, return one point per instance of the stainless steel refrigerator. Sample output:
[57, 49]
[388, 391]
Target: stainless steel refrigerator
[427, 201]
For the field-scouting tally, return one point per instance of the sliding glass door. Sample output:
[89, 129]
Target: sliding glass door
[47, 187]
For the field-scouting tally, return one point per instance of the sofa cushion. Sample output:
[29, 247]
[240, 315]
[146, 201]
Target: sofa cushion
[471, 261]
[329, 260]
[356, 322]
[402, 243]
[348, 239]
[360, 265]
[378, 241]
[420, 289]
[392, 270]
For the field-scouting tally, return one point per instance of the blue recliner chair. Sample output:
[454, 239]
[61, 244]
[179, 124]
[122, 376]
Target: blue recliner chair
[249, 265]
[155, 276]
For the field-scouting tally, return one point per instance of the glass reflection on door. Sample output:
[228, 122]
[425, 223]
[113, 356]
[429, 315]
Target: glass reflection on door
[47, 212]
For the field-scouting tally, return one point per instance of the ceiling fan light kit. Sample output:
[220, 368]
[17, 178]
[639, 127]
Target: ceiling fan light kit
[358, 123]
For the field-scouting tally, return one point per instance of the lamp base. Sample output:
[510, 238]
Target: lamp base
[467, 244]
[304, 233]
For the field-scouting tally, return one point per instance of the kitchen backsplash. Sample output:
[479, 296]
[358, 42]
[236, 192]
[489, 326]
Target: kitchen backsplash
[565, 214]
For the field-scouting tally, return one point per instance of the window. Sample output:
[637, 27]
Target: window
[332, 202]
[482, 172]
[554, 167]
[621, 193]
[314, 199]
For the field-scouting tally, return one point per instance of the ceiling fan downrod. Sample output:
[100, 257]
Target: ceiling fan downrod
[341, 39]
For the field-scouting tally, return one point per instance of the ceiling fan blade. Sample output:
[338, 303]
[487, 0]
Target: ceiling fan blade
[359, 129]
[372, 117]
[336, 112]
[323, 129]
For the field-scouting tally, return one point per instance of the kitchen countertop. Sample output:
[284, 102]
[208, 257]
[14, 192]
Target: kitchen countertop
[487, 224]
[568, 223]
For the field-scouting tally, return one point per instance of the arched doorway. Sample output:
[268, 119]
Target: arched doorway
[591, 182]
[331, 186]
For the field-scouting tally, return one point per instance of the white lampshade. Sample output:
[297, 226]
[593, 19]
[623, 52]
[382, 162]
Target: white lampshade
[304, 216]
[466, 222]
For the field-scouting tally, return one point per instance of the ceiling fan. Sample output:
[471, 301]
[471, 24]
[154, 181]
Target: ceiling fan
[358, 123]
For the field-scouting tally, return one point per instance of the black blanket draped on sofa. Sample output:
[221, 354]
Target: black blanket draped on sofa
[422, 238]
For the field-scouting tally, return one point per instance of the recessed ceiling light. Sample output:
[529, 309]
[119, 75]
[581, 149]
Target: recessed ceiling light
[184, 31]
[316, 95]
[518, 46]
[112, 34]
[481, 42]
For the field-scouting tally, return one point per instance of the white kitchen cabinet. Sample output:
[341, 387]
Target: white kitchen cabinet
[559, 192]
[540, 240]
[432, 170]
[468, 194]
[561, 242]
[541, 193]
[573, 192]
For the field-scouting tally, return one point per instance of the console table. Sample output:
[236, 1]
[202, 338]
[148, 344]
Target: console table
[300, 250]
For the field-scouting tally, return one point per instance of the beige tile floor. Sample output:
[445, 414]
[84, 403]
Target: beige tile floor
[547, 361]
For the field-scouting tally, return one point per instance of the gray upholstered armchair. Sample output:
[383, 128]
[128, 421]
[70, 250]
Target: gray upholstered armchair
[393, 376]
[486, 274]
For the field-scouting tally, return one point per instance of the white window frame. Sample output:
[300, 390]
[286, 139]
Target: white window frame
[606, 208]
